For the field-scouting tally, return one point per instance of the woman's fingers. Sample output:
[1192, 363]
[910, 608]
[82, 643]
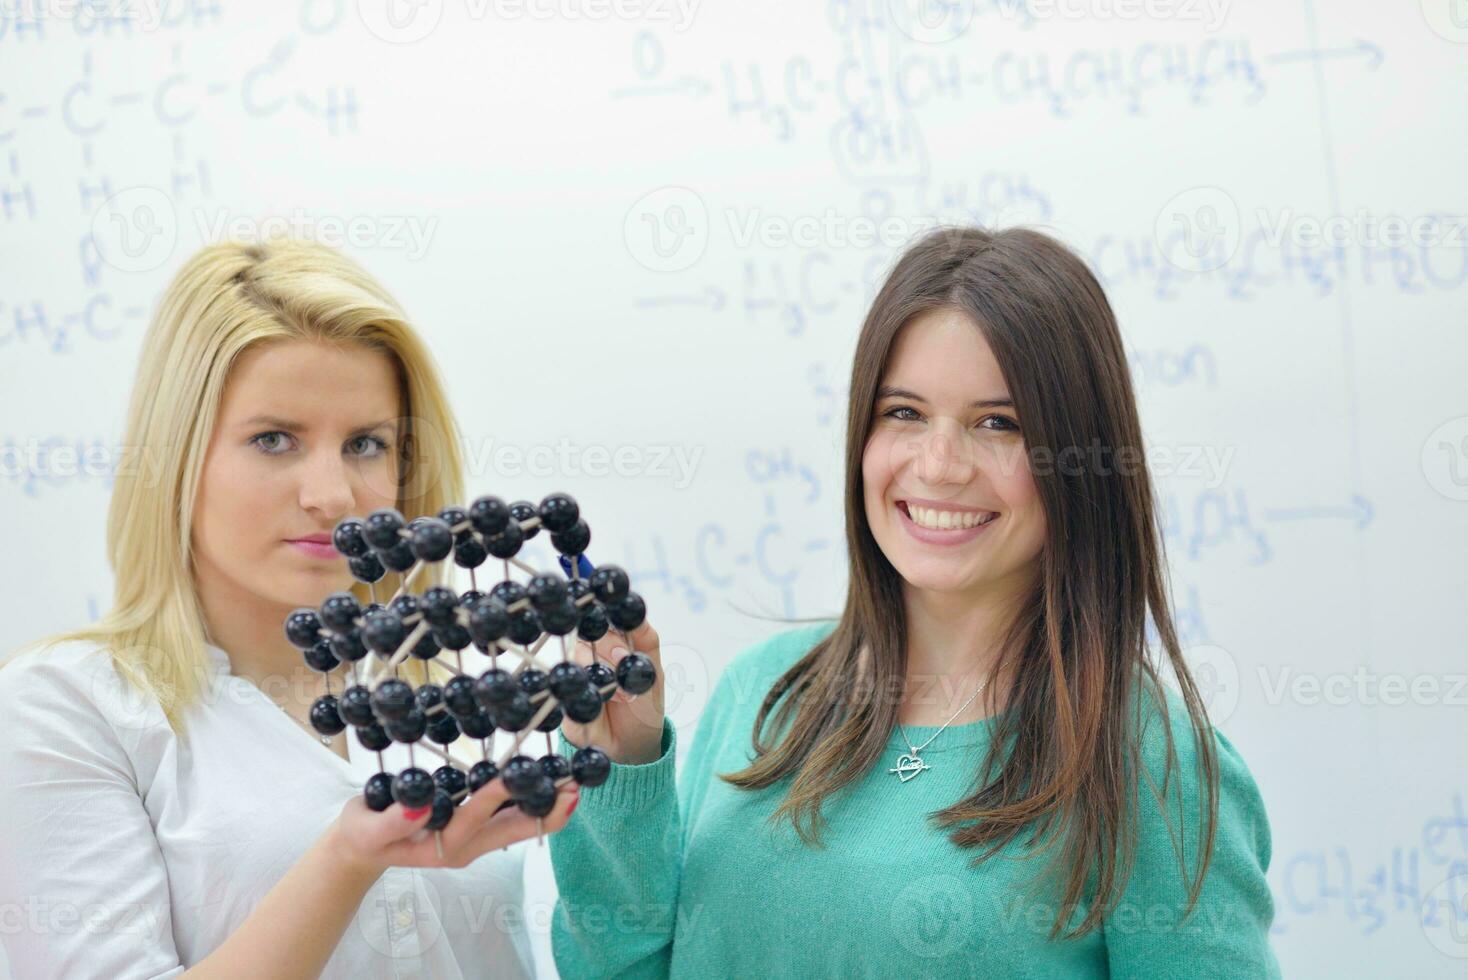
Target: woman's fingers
[514, 825]
[478, 827]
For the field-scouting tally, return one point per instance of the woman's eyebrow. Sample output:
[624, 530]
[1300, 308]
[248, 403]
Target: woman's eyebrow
[888, 391]
[280, 423]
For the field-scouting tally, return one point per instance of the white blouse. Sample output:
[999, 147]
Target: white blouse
[128, 852]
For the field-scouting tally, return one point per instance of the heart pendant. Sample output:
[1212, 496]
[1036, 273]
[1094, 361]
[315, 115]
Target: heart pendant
[909, 766]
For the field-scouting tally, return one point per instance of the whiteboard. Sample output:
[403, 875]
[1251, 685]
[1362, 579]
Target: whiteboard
[671, 216]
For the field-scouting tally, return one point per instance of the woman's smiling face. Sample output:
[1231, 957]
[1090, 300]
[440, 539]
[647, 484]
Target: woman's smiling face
[306, 435]
[947, 486]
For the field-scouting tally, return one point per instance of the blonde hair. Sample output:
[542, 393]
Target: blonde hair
[226, 299]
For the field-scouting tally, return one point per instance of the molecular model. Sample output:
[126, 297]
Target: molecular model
[511, 618]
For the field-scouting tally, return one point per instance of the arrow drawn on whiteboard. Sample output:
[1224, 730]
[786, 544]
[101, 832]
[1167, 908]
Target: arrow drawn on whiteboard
[1359, 510]
[1371, 51]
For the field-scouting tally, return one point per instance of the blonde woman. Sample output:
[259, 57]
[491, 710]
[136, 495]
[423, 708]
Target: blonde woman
[168, 810]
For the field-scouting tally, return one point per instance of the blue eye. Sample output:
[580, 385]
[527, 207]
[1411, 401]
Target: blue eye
[256, 441]
[375, 445]
[892, 413]
[378, 443]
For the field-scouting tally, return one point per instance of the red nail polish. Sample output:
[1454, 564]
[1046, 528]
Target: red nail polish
[415, 814]
[575, 799]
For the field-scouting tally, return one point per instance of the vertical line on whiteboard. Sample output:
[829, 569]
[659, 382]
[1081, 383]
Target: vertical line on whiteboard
[1348, 334]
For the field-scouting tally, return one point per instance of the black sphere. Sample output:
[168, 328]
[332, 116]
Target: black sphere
[561, 620]
[469, 553]
[320, 657]
[383, 632]
[555, 766]
[413, 788]
[594, 623]
[628, 612]
[540, 799]
[478, 725]
[324, 716]
[524, 627]
[374, 737]
[494, 688]
[392, 700]
[566, 680]
[514, 714]
[339, 612]
[366, 568]
[489, 515]
[409, 729]
[551, 721]
[573, 540]
[443, 811]
[440, 604]
[378, 791]
[636, 673]
[520, 774]
[355, 706]
[381, 528]
[558, 511]
[348, 646]
[482, 773]
[584, 706]
[488, 621]
[522, 511]
[600, 676]
[431, 540]
[450, 779]
[398, 558]
[442, 728]
[458, 694]
[451, 637]
[507, 543]
[347, 538]
[547, 592]
[590, 766]
[610, 582]
[303, 628]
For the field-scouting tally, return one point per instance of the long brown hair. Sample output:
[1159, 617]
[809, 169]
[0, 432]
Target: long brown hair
[1076, 650]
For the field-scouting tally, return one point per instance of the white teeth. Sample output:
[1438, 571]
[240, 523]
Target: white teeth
[946, 520]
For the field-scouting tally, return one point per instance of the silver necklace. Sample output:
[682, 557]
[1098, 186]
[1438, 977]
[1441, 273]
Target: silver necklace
[912, 763]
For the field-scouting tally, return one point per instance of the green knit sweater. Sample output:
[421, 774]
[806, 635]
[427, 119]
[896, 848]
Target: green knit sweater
[690, 880]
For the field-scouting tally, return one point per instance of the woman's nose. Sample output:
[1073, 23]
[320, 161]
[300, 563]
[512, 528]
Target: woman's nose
[327, 487]
[944, 456]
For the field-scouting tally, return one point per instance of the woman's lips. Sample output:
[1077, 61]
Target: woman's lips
[315, 549]
[941, 536]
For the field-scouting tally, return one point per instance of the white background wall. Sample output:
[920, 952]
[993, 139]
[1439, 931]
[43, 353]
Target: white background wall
[589, 212]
